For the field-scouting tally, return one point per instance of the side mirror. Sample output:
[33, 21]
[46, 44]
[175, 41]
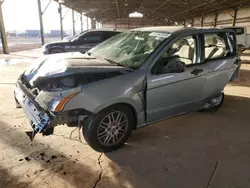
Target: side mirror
[175, 66]
[170, 66]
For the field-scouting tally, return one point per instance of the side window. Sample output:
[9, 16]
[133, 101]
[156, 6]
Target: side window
[232, 44]
[89, 38]
[182, 50]
[180, 54]
[215, 45]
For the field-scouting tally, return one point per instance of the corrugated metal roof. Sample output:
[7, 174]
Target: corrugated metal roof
[160, 10]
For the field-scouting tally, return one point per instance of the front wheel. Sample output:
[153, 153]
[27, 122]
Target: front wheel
[214, 104]
[110, 128]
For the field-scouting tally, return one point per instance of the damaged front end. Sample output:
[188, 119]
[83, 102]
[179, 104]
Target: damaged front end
[44, 94]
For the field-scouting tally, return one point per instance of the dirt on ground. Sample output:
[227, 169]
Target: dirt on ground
[197, 150]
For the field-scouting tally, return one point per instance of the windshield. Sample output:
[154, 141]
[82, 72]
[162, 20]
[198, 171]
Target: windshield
[129, 49]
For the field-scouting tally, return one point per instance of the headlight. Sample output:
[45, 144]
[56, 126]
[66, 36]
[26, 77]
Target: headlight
[59, 105]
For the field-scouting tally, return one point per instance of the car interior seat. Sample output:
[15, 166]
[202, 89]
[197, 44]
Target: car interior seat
[210, 47]
[213, 49]
[186, 54]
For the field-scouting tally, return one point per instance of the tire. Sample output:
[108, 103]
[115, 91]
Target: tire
[98, 133]
[56, 51]
[216, 107]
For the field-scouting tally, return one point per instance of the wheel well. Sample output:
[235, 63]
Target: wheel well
[130, 107]
[55, 47]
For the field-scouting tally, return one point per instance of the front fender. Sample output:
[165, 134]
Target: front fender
[56, 47]
[128, 89]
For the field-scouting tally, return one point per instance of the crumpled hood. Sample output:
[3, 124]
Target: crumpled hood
[61, 65]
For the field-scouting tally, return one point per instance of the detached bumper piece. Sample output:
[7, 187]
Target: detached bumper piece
[39, 120]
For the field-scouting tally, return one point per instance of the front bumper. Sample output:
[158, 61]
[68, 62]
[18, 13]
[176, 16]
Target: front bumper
[38, 118]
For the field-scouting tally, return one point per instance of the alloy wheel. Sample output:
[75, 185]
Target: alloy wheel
[112, 128]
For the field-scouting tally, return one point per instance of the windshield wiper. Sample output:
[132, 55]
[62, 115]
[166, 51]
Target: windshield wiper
[113, 62]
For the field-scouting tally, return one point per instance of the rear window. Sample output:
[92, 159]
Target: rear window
[215, 45]
[219, 45]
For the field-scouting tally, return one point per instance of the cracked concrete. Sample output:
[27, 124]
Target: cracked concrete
[180, 152]
[101, 170]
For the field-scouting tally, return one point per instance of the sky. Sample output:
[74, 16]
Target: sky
[23, 14]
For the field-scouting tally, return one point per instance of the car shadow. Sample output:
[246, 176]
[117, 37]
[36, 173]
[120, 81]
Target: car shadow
[183, 151]
[243, 79]
[51, 163]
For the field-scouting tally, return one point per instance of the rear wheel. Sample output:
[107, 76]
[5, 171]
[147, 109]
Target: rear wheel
[56, 50]
[214, 104]
[110, 128]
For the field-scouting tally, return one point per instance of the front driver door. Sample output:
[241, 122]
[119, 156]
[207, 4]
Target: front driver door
[170, 94]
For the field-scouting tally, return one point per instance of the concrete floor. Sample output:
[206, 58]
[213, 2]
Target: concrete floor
[194, 150]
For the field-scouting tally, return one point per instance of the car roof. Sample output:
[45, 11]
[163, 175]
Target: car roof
[105, 29]
[178, 29]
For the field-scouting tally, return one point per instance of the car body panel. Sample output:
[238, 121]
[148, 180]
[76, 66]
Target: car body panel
[129, 92]
[184, 93]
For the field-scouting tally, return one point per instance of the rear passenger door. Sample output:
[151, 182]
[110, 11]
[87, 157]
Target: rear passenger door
[89, 40]
[219, 60]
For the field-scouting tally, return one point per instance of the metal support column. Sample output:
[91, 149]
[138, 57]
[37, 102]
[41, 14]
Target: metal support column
[81, 23]
[2, 31]
[41, 21]
[184, 22]
[61, 20]
[202, 21]
[73, 22]
[235, 17]
[215, 19]
[93, 24]
[87, 21]
[192, 23]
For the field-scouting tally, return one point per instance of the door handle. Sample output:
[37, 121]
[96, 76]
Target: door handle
[196, 71]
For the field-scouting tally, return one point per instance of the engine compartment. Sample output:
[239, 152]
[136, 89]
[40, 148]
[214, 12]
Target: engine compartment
[67, 82]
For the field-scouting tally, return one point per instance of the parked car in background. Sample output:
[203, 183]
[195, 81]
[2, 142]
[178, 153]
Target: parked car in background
[70, 38]
[81, 43]
[21, 35]
[131, 80]
[243, 38]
